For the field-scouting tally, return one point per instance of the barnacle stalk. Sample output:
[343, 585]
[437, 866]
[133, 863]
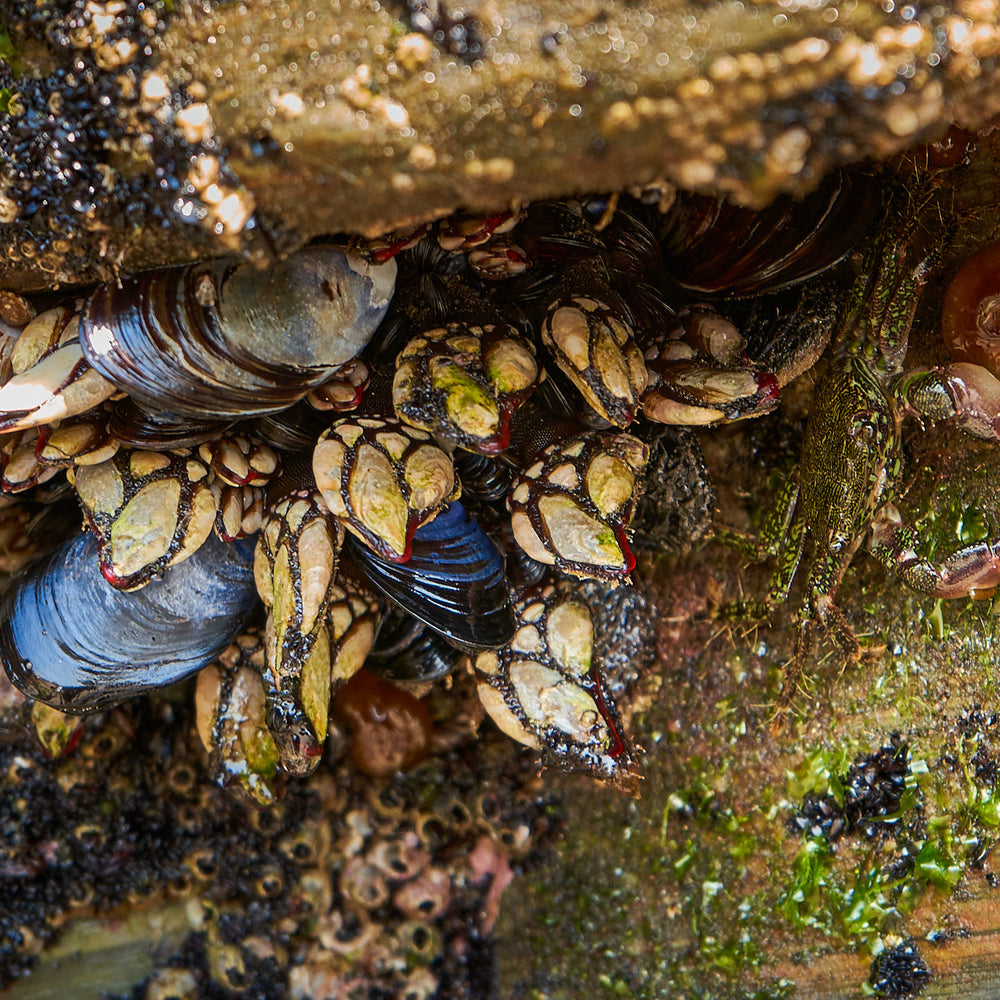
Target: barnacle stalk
[294, 567]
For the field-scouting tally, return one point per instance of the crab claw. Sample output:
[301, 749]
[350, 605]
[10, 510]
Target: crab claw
[964, 392]
[972, 571]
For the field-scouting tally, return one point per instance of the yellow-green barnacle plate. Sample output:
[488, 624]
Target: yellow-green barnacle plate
[596, 349]
[351, 622]
[296, 559]
[294, 568]
[56, 731]
[463, 382]
[148, 509]
[229, 714]
[546, 691]
[572, 507]
[382, 479]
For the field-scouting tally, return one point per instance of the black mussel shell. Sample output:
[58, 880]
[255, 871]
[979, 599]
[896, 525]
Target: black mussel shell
[519, 568]
[713, 245]
[483, 477]
[135, 427]
[453, 581]
[69, 639]
[222, 340]
[407, 650]
[294, 429]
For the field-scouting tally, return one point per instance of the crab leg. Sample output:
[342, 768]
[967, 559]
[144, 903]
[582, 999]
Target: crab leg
[973, 570]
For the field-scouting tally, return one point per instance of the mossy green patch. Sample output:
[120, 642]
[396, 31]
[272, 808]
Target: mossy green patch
[9, 54]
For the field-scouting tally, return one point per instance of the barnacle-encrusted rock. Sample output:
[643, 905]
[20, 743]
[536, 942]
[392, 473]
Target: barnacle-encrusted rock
[281, 120]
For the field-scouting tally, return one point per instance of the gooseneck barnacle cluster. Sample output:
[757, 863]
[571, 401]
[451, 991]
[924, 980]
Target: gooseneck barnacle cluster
[451, 428]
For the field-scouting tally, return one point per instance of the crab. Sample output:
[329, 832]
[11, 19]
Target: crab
[844, 492]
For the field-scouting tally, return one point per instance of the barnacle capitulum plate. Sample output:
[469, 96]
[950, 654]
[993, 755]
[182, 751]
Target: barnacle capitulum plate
[68, 638]
[382, 479]
[572, 507]
[597, 351]
[294, 567]
[229, 707]
[462, 383]
[545, 689]
[148, 509]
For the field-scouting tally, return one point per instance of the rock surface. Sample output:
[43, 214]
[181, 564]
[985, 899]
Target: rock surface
[136, 137]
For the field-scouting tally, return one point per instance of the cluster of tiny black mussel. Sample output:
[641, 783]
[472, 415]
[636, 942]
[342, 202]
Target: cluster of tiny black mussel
[439, 441]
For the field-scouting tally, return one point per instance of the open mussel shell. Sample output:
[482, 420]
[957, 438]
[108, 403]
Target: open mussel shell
[222, 340]
[69, 639]
[713, 245]
[453, 581]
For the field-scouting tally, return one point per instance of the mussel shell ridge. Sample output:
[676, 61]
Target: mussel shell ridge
[69, 639]
[453, 582]
[222, 340]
